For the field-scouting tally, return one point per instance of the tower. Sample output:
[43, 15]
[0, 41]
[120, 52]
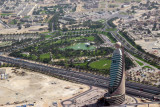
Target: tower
[116, 90]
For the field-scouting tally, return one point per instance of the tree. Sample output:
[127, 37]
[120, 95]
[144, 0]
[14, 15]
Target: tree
[154, 26]
[46, 60]
[19, 27]
[148, 31]
[65, 29]
[122, 6]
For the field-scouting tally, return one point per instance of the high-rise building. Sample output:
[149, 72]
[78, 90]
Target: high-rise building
[116, 90]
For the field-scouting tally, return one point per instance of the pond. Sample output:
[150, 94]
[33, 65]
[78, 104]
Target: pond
[80, 46]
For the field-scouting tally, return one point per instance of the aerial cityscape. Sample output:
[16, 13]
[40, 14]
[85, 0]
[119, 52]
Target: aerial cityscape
[79, 53]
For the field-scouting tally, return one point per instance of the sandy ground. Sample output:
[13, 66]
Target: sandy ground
[35, 88]
[146, 105]
[1, 26]
[116, 22]
[95, 94]
[31, 29]
[149, 45]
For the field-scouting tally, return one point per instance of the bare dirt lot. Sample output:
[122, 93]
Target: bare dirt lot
[150, 46]
[24, 87]
[146, 105]
[1, 26]
[31, 29]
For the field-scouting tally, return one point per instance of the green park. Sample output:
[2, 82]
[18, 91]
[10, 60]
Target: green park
[101, 64]
[78, 49]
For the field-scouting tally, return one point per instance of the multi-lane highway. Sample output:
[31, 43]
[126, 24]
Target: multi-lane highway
[82, 77]
[125, 43]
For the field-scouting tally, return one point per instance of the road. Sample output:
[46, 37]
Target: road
[137, 104]
[125, 43]
[145, 64]
[5, 25]
[82, 77]
[130, 48]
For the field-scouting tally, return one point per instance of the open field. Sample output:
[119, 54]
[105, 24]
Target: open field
[101, 64]
[24, 87]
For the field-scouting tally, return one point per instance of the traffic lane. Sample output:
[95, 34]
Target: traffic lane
[79, 74]
[139, 93]
[68, 75]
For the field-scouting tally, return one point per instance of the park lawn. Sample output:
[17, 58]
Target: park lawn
[26, 16]
[59, 41]
[53, 56]
[79, 30]
[111, 29]
[21, 22]
[61, 57]
[12, 23]
[80, 46]
[140, 63]
[102, 21]
[45, 32]
[36, 48]
[101, 64]
[25, 55]
[5, 14]
[43, 56]
[74, 38]
[146, 61]
[47, 36]
[147, 67]
[34, 57]
[90, 38]
[81, 64]
[111, 38]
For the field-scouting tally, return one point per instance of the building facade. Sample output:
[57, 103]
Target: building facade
[116, 90]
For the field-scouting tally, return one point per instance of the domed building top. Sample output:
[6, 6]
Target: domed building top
[118, 45]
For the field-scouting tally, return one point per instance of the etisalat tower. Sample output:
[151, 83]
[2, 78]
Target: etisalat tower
[116, 90]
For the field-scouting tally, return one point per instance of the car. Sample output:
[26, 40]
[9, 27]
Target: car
[141, 89]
